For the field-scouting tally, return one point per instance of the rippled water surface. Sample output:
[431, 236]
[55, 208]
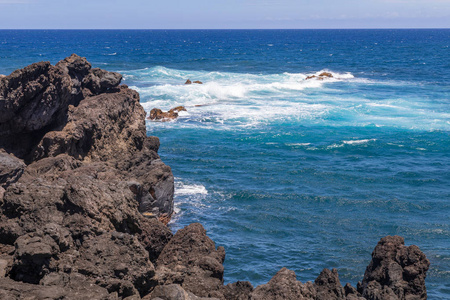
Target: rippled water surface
[284, 171]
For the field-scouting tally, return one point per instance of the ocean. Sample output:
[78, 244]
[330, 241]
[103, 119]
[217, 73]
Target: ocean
[280, 170]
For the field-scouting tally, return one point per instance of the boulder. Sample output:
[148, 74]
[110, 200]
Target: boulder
[395, 271]
[191, 260]
[157, 114]
[188, 81]
[284, 285]
[115, 261]
[198, 82]
[240, 290]
[328, 286]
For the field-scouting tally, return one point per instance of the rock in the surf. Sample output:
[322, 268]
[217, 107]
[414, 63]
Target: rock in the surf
[321, 76]
[157, 114]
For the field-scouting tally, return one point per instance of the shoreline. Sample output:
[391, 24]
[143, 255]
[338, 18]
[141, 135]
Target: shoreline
[73, 122]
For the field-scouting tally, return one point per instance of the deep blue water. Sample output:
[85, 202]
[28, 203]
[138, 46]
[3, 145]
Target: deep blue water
[284, 171]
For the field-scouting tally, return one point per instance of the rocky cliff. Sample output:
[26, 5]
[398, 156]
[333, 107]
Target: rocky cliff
[84, 197]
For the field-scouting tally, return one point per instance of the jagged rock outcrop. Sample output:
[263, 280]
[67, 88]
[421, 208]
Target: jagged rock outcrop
[76, 173]
[191, 260]
[284, 285]
[157, 114]
[395, 272]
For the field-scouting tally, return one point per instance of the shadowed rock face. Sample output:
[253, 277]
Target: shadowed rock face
[82, 193]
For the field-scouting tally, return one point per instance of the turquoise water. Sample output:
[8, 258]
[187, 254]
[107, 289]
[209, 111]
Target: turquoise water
[283, 171]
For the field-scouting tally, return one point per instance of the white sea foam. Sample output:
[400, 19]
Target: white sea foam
[182, 189]
[298, 144]
[358, 142]
[228, 100]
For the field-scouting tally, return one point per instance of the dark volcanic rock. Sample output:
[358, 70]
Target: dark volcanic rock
[157, 114]
[240, 290]
[119, 256]
[321, 76]
[192, 260]
[284, 285]
[174, 292]
[74, 288]
[11, 168]
[73, 213]
[328, 286]
[395, 272]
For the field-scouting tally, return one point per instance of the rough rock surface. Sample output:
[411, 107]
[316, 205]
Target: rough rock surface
[76, 173]
[395, 272]
[157, 114]
[284, 285]
[11, 168]
[174, 292]
[191, 260]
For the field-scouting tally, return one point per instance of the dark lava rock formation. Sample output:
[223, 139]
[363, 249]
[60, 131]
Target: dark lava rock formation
[83, 194]
[190, 82]
[321, 76]
[158, 115]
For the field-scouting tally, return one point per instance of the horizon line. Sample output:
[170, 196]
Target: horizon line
[344, 28]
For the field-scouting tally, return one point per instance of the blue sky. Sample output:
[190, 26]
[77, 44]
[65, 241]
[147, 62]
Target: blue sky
[216, 14]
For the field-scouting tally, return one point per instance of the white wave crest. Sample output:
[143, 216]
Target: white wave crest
[358, 142]
[182, 189]
[228, 100]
